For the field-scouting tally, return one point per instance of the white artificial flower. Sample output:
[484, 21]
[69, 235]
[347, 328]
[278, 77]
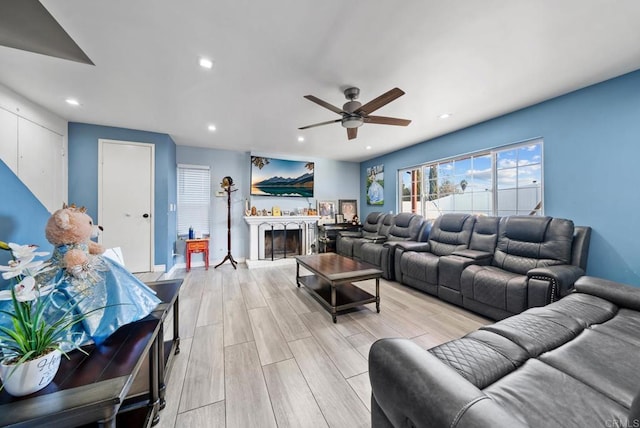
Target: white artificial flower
[25, 251]
[27, 290]
[24, 267]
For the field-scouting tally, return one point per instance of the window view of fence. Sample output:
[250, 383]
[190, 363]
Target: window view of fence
[503, 181]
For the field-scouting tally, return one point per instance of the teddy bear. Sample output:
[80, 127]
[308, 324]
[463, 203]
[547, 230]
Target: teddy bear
[73, 228]
[105, 291]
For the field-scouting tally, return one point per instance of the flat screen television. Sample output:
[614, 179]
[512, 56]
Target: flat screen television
[280, 177]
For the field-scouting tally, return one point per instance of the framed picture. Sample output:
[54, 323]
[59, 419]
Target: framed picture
[327, 211]
[280, 177]
[375, 185]
[348, 208]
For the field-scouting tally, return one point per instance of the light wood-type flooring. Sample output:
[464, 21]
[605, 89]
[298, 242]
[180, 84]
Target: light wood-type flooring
[257, 351]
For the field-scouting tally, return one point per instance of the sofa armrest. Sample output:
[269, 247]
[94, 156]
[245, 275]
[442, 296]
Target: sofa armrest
[412, 246]
[560, 277]
[474, 254]
[349, 234]
[413, 387]
[623, 295]
[450, 267]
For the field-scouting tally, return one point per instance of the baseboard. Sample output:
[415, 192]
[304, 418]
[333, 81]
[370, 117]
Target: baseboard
[171, 271]
[159, 268]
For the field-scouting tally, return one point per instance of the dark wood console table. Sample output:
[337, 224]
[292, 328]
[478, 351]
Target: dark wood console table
[120, 382]
[328, 233]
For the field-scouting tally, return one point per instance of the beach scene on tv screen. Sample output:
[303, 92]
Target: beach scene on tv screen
[280, 177]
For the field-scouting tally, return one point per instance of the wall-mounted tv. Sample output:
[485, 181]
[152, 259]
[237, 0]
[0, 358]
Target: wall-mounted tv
[279, 177]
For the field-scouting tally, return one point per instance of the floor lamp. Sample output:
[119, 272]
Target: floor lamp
[227, 184]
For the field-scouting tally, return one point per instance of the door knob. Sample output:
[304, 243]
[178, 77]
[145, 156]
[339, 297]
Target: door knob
[145, 215]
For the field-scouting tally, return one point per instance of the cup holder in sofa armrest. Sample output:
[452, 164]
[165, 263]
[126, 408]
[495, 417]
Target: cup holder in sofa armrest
[376, 239]
[473, 254]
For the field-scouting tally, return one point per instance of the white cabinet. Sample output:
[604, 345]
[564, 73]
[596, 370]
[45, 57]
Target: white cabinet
[40, 163]
[9, 139]
[33, 142]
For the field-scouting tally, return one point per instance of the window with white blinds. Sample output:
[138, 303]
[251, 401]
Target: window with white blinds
[194, 199]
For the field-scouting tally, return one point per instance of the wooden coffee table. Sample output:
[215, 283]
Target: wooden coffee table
[331, 282]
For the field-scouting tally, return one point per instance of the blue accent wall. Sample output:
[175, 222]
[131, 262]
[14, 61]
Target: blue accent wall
[22, 217]
[83, 177]
[591, 173]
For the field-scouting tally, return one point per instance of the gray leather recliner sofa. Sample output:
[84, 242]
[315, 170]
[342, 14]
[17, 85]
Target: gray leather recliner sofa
[498, 266]
[345, 241]
[416, 263]
[572, 363]
[405, 227]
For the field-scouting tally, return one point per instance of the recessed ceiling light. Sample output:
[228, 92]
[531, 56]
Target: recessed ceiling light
[300, 139]
[368, 147]
[445, 116]
[211, 128]
[72, 101]
[206, 63]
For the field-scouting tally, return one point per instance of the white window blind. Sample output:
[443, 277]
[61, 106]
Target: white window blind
[194, 197]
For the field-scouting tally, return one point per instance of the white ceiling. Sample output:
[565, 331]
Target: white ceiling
[474, 59]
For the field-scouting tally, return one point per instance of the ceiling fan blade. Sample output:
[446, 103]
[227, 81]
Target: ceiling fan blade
[381, 101]
[352, 133]
[320, 124]
[382, 120]
[324, 104]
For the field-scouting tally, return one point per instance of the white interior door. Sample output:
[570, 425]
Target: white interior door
[125, 207]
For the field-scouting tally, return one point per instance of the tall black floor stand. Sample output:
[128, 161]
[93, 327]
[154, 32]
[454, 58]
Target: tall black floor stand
[228, 256]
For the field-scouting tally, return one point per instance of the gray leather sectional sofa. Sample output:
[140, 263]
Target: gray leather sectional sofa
[494, 266]
[572, 363]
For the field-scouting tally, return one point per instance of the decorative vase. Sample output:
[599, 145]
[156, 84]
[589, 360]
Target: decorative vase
[30, 376]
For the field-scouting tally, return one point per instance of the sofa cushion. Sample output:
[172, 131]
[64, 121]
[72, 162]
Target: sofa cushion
[542, 396]
[481, 357]
[585, 309]
[528, 242]
[536, 333]
[495, 287]
[450, 232]
[406, 227]
[372, 253]
[624, 326]
[371, 224]
[421, 266]
[589, 359]
[485, 234]
[387, 223]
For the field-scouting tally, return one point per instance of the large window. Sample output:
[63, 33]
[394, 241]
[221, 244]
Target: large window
[194, 197]
[410, 190]
[503, 181]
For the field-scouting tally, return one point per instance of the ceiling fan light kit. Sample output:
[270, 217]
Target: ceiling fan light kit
[352, 121]
[354, 114]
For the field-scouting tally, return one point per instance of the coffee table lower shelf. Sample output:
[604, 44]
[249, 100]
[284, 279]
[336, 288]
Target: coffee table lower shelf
[347, 295]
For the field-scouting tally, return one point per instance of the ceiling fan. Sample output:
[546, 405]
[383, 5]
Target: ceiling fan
[354, 114]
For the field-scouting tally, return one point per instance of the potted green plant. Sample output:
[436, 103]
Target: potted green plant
[30, 340]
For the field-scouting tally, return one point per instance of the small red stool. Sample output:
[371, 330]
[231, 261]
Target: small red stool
[198, 246]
